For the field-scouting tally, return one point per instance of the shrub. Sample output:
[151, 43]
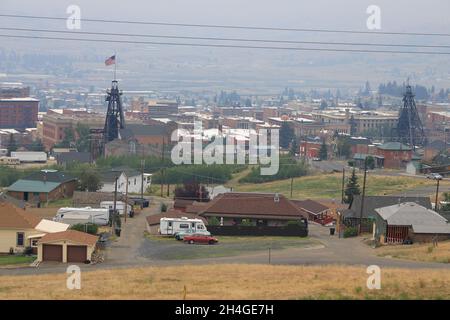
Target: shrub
[163, 207]
[213, 221]
[88, 228]
[350, 232]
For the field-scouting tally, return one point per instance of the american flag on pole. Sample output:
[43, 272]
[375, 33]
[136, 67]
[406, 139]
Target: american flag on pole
[110, 61]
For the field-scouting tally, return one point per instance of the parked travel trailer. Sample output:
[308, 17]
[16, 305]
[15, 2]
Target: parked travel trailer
[98, 216]
[170, 226]
[30, 156]
[120, 206]
[73, 218]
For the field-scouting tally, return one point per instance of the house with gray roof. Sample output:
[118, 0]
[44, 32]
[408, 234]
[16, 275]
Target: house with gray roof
[351, 216]
[409, 221]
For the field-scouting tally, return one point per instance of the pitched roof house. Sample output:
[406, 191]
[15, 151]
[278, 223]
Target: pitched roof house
[268, 209]
[43, 186]
[409, 220]
[20, 229]
[351, 216]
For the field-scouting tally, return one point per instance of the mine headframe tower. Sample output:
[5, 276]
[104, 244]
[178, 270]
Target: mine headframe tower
[409, 127]
[115, 119]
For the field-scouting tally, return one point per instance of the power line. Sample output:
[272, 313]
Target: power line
[230, 26]
[225, 39]
[227, 45]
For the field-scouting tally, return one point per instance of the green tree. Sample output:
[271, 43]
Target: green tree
[89, 180]
[344, 147]
[286, 135]
[370, 161]
[37, 145]
[12, 144]
[82, 143]
[352, 187]
[68, 140]
[323, 152]
[294, 148]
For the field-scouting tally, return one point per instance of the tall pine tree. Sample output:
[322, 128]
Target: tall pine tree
[352, 188]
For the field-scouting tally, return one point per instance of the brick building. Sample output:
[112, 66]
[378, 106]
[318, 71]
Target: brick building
[18, 113]
[395, 154]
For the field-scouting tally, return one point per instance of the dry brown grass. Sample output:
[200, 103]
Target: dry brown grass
[418, 252]
[233, 282]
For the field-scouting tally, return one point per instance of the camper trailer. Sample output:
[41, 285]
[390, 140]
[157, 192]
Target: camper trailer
[171, 226]
[98, 216]
[120, 206]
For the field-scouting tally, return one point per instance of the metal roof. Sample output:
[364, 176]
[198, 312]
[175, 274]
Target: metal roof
[421, 219]
[33, 186]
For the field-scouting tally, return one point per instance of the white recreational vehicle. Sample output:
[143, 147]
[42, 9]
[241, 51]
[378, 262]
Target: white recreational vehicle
[170, 226]
[120, 206]
[98, 216]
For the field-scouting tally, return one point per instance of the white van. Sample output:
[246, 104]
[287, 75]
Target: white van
[98, 216]
[171, 226]
[120, 206]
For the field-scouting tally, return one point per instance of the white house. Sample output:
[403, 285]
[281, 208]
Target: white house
[130, 176]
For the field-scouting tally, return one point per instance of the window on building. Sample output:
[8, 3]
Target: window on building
[20, 239]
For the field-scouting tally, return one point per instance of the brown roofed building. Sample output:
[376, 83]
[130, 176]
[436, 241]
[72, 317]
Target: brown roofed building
[16, 227]
[316, 211]
[259, 209]
[67, 246]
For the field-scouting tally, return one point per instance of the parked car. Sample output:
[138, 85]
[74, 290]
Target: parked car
[180, 235]
[200, 238]
[434, 176]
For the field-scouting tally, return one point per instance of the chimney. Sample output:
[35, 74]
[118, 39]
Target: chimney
[276, 198]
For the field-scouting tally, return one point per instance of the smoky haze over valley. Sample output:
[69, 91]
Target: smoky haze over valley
[163, 67]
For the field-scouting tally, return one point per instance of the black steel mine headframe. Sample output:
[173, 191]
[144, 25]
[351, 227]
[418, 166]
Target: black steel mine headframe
[114, 115]
[409, 127]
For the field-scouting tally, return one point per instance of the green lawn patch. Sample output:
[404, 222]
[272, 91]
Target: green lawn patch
[7, 260]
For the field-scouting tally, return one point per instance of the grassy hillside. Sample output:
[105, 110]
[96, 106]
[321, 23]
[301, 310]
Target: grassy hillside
[329, 186]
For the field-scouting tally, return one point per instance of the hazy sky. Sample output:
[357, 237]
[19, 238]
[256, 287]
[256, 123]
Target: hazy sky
[397, 15]
[209, 64]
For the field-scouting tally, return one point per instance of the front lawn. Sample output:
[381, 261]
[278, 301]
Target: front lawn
[6, 260]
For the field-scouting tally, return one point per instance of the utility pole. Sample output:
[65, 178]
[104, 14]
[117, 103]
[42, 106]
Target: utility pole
[343, 185]
[114, 205]
[363, 197]
[126, 200]
[142, 178]
[292, 185]
[162, 181]
[436, 207]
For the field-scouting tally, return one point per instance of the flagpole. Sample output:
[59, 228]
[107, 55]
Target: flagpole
[115, 66]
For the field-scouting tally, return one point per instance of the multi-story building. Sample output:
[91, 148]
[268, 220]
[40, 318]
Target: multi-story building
[18, 113]
[56, 121]
[363, 120]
